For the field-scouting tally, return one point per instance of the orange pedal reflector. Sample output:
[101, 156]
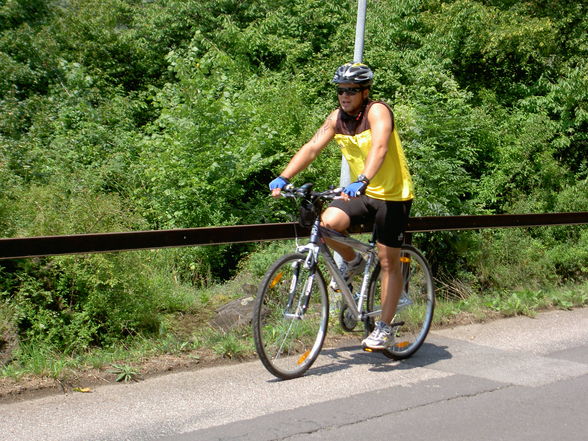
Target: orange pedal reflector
[368, 349]
[303, 357]
[402, 344]
[405, 259]
[276, 280]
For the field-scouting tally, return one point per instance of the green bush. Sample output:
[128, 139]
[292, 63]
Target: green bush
[532, 258]
[72, 303]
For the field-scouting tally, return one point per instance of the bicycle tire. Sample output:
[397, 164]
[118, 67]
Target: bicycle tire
[415, 308]
[287, 342]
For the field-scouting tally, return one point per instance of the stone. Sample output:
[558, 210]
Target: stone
[234, 314]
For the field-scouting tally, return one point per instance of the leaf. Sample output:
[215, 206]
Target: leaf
[84, 390]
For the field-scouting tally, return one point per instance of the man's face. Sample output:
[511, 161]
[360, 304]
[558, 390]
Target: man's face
[351, 97]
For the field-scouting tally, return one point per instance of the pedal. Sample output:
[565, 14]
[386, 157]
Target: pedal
[366, 349]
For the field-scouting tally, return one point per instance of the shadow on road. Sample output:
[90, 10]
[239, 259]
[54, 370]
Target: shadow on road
[347, 356]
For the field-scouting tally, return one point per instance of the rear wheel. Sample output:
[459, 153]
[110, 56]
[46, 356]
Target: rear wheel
[290, 317]
[415, 306]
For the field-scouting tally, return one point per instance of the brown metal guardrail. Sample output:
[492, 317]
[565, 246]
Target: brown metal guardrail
[108, 242]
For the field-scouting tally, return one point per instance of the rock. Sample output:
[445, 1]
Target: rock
[235, 313]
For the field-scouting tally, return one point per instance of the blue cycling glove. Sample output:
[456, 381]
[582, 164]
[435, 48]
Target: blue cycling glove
[280, 182]
[356, 188]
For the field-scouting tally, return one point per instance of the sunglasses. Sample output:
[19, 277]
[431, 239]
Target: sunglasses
[349, 90]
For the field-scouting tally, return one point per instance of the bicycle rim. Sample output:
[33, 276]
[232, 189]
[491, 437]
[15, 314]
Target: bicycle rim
[288, 338]
[415, 307]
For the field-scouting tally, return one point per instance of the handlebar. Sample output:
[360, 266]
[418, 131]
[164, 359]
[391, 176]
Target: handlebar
[305, 191]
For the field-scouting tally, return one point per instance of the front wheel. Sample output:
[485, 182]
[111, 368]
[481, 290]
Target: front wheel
[290, 317]
[415, 307]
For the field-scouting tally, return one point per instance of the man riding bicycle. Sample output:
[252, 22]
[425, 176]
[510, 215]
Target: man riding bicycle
[382, 192]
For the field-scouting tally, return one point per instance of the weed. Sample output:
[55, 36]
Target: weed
[124, 373]
[234, 344]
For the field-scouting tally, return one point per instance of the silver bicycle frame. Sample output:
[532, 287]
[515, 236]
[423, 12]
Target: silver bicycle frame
[316, 246]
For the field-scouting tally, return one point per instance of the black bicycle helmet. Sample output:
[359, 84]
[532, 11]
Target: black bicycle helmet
[356, 73]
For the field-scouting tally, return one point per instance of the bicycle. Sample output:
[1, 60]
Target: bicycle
[291, 311]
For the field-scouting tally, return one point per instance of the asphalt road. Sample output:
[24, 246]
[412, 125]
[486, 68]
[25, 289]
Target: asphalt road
[513, 379]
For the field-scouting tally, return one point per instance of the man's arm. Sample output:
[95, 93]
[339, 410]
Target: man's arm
[309, 151]
[381, 125]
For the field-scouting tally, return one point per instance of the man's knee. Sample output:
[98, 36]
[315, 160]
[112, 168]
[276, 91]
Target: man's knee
[389, 258]
[335, 219]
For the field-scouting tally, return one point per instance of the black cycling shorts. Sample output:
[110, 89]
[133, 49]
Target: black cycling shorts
[389, 217]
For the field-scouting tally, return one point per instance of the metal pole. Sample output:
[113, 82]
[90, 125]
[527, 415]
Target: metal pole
[344, 176]
[359, 31]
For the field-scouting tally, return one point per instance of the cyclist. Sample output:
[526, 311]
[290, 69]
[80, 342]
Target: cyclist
[381, 193]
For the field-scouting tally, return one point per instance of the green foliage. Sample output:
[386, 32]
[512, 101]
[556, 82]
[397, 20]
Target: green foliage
[493, 46]
[72, 303]
[16, 12]
[230, 346]
[524, 164]
[439, 133]
[124, 373]
[258, 261]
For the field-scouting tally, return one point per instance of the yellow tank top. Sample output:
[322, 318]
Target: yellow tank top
[354, 136]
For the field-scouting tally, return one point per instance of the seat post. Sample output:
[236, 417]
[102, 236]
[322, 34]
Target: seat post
[407, 238]
[373, 239]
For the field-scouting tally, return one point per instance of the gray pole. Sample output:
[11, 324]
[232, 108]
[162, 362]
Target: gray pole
[344, 177]
[359, 31]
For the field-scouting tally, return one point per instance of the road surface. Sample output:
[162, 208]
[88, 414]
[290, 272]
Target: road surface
[513, 379]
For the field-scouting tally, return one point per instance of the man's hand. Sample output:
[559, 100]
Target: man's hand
[355, 189]
[277, 184]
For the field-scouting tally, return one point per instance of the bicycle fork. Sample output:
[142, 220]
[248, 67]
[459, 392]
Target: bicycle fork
[310, 265]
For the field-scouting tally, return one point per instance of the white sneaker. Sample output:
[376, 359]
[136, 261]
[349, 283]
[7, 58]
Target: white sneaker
[348, 270]
[380, 338]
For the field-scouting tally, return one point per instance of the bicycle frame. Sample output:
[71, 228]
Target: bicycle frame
[317, 245]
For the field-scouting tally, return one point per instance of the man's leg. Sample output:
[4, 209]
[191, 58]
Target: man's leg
[390, 280]
[391, 288]
[336, 219]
